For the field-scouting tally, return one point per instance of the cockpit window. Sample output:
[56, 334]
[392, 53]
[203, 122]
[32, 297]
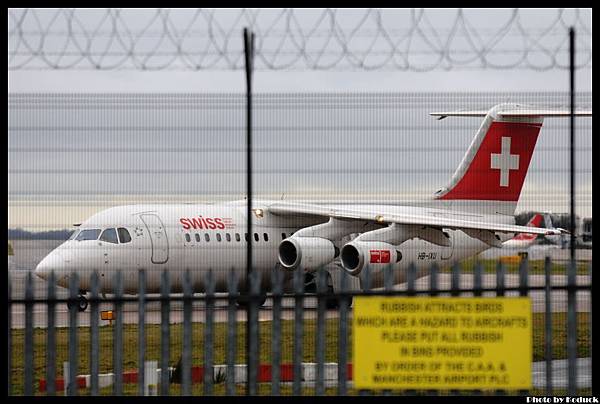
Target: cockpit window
[88, 234]
[124, 236]
[74, 234]
[110, 236]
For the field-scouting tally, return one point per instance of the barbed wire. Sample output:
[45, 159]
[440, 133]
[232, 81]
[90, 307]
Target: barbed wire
[328, 39]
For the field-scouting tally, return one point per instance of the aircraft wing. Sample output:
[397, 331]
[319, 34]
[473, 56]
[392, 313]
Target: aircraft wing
[293, 209]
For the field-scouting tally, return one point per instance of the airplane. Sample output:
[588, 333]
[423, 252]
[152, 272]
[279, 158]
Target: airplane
[523, 243]
[522, 240]
[557, 239]
[474, 212]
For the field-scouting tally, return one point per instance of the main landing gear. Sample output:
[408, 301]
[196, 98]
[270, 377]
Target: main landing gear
[243, 301]
[310, 286]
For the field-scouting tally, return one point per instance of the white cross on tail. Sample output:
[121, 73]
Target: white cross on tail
[505, 161]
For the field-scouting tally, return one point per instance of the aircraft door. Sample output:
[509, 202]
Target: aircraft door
[158, 238]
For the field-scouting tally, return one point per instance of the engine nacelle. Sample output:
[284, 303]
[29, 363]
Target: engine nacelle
[356, 255]
[307, 253]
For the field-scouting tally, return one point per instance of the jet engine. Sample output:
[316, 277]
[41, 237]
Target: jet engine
[355, 255]
[307, 253]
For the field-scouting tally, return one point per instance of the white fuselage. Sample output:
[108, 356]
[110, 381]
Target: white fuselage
[203, 238]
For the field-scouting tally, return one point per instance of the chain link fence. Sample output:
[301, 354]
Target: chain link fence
[71, 155]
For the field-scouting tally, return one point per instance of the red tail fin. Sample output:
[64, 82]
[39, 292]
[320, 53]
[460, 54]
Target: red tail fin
[496, 163]
[535, 221]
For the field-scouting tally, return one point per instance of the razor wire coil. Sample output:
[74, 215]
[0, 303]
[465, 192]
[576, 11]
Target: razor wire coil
[329, 39]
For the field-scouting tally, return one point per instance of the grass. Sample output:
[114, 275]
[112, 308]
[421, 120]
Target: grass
[219, 348]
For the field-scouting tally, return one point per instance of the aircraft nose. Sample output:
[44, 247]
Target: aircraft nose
[52, 262]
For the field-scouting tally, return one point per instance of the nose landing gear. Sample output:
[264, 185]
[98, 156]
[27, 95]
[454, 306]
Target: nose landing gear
[82, 303]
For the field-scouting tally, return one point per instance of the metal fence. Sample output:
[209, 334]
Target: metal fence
[58, 145]
[299, 346]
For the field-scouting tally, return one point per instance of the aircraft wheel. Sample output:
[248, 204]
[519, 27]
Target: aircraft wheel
[82, 303]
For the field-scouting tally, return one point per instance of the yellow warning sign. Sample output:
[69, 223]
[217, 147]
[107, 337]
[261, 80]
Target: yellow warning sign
[442, 343]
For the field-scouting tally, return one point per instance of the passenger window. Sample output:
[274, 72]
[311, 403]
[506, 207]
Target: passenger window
[197, 238]
[124, 236]
[266, 236]
[256, 238]
[187, 237]
[219, 237]
[110, 236]
[88, 234]
[228, 236]
[246, 237]
[237, 236]
[207, 237]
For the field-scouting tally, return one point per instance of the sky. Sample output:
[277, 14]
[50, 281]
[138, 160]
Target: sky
[28, 210]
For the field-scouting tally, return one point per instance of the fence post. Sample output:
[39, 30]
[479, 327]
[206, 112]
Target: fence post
[320, 331]
[10, 351]
[249, 65]
[523, 290]
[277, 289]
[51, 338]
[298, 331]
[433, 291]
[571, 291]
[500, 291]
[151, 378]
[66, 378]
[477, 292]
[589, 271]
[142, 333]
[572, 329]
[433, 279]
[343, 336]
[94, 337]
[410, 281]
[388, 285]
[366, 287]
[72, 389]
[186, 355]
[366, 278]
[255, 299]
[231, 332]
[208, 334]
[388, 278]
[164, 333]
[548, 321]
[455, 291]
[500, 272]
[118, 335]
[523, 279]
[477, 279]
[455, 279]
[28, 359]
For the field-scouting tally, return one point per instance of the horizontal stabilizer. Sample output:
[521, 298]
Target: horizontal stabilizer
[525, 112]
